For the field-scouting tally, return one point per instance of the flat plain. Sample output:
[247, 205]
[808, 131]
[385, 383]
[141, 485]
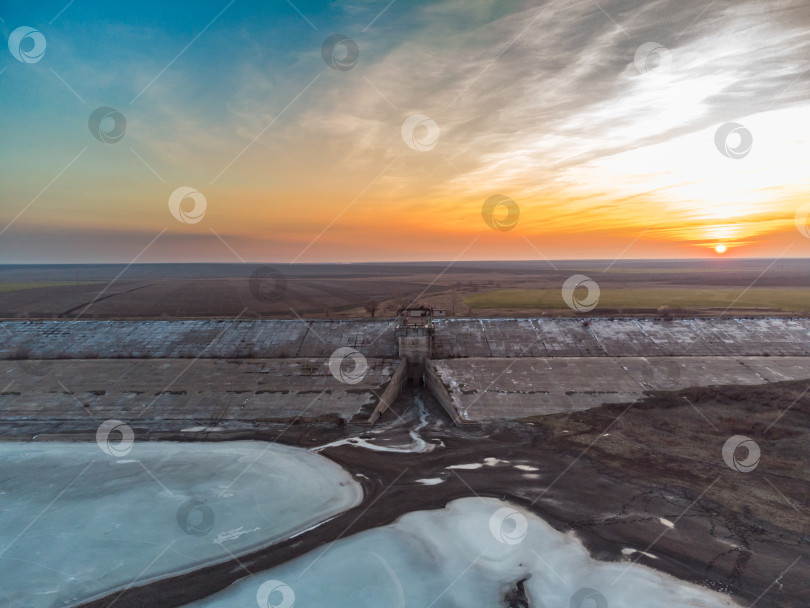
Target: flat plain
[679, 288]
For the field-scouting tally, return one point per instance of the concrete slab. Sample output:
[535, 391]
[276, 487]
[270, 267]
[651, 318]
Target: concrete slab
[454, 338]
[484, 389]
[201, 390]
[620, 337]
[266, 338]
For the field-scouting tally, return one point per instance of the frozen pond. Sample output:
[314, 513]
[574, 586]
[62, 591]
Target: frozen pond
[76, 522]
[470, 554]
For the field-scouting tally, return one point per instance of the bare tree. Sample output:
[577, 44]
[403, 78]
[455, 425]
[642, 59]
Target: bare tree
[372, 306]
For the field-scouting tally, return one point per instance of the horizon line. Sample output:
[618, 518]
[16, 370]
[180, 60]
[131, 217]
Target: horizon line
[449, 262]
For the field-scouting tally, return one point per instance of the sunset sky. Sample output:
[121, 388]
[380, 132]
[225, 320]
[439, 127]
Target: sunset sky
[606, 145]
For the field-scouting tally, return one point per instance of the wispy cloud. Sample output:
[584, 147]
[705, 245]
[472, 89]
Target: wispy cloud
[544, 103]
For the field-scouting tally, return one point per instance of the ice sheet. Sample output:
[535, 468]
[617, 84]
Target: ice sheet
[76, 522]
[470, 554]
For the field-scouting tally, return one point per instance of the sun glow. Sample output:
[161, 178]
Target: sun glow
[720, 249]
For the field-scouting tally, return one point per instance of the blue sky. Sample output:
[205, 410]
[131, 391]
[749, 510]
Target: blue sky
[545, 103]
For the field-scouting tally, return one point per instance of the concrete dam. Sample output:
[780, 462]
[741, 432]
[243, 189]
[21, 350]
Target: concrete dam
[250, 371]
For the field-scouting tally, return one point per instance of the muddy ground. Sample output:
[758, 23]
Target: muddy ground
[184, 291]
[607, 474]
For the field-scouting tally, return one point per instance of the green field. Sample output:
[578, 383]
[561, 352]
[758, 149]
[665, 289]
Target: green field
[620, 270]
[788, 299]
[6, 287]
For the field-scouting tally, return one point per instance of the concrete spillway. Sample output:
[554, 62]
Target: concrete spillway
[259, 370]
[454, 338]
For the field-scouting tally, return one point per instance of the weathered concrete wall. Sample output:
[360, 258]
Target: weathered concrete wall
[416, 349]
[620, 337]
[205, 391]
[453, 338]
[391, 392]
[240, 339]
[434, 384]
[496, 368]
[501, 388]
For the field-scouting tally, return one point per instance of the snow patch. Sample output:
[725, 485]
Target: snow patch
[423, 550]
[627, 551]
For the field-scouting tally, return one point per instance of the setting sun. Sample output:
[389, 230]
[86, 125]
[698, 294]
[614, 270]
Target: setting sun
[720, 249]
